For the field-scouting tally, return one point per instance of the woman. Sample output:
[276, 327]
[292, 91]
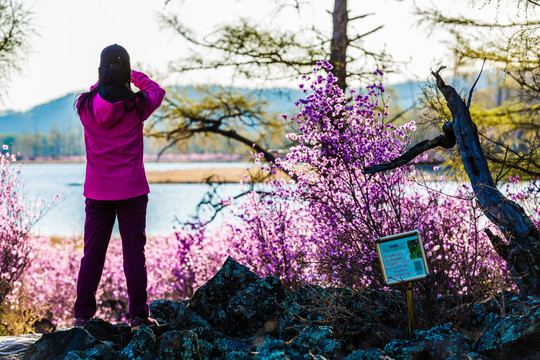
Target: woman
[115, 185]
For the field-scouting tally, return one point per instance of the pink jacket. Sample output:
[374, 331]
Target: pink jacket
[114, 144]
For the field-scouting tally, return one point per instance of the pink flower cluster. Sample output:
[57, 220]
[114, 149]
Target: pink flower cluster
[272, 238]
[337, 139]
[16, 220]
[527, 195]
[199, 253]
[50, 282]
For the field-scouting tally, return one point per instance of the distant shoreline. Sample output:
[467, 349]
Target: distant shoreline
[220, 175]
[214, 175]
[147, 158]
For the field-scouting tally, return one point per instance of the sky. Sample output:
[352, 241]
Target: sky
[70, 35]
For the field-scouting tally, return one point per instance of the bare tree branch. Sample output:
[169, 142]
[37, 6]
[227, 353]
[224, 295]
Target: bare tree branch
[472, 88]
[447, 140]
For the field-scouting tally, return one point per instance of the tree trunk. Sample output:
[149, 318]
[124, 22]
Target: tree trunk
[521, 251]
[339, 42]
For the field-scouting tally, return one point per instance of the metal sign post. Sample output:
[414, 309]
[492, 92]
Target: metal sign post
[403, 260]
[410, 308]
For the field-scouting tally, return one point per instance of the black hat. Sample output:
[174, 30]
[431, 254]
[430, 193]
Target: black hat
[114, 54]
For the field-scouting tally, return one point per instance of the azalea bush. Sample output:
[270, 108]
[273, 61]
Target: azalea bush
[50, 283]
[17, 245]
[51, 280]
[274, 237]
[528, 195]
[200, 252]
[321, 227]
[16, 220]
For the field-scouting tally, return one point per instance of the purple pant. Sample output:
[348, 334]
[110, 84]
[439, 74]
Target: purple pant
[100, 217]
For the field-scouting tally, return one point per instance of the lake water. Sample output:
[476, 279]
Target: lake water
[66, 218]
[167, 202]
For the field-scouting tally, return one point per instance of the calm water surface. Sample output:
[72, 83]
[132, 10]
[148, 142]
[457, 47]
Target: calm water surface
[66, 218]
[167, 202]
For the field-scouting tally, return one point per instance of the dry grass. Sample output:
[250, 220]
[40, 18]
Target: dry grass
[215, 175]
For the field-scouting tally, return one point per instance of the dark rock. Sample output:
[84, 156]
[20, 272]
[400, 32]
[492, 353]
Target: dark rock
[372, 317]
[278, 349]
[236, 302]
[320, 340]
[100, 352]
[178, 345]
[513, 336]
[237, 315]
[207, 339]
[436, 343]
[118, 335]
[214, 345]
[256, 309]
[504, 303]
[370, 354]
[226, 345]
[161, 329]
[235, 355]
[470, 356]
[177, 314]
[141, 344]
[57, 345]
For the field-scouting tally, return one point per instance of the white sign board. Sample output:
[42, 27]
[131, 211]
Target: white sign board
[402, 257]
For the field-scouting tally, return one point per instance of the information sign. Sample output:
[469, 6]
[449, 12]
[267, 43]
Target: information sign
[402, 257]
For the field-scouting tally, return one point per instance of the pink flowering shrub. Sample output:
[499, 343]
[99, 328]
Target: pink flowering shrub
[200, 253]
[51, 280]
[273, 238]
[527, 195]
[322, 226]
[459, 251]
[16, 220]
[337, 139]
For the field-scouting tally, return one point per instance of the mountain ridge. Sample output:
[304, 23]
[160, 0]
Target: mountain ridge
[60, 112]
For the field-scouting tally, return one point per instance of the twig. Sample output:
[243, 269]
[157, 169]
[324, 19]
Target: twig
[471, 91]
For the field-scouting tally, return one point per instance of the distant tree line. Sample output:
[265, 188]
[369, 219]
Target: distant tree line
[53, 144]
[56, 143]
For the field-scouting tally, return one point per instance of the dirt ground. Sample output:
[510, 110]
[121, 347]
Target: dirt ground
[216, 175]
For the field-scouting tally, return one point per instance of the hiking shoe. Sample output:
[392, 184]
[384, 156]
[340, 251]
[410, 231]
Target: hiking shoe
[80, 321]
[136, 322]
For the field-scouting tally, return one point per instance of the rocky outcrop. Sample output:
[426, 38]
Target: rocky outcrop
[59, 345]
[509, 330]
[437, 343]
[238, 303]
[237, 315]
